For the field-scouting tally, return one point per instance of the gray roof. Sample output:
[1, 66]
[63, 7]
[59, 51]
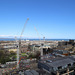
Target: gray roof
[34, 72]
[31, 72]
[27, 73]
[61, 62]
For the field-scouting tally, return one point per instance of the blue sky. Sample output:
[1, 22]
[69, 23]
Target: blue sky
[52, 18]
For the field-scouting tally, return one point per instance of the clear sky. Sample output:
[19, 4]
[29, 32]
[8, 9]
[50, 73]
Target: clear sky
[52, 18]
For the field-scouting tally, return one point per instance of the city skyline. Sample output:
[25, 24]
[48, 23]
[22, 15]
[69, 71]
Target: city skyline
[53, 19]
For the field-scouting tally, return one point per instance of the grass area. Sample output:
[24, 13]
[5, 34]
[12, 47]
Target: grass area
[23, 54]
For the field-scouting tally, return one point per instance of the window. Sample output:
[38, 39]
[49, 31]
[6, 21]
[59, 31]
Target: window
[60, 67]
[74, 63]
[69, 65]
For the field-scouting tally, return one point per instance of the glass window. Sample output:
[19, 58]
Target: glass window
[74, 63]
[69, 65]
[60, 67]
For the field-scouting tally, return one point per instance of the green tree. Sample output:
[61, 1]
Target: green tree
[4, 57]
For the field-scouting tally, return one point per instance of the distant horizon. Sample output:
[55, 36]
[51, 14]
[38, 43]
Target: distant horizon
[24, 37]
[32, 38]
[13, 39]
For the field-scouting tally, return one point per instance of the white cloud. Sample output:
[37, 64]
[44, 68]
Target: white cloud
[8, 35]
[17, 36]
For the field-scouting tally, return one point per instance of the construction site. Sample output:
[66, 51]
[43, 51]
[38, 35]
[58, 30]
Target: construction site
[37, 57]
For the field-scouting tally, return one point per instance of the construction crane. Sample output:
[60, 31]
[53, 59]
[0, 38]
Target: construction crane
[37, 34]
[24, 28]
[40, 43]
[19, 44]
